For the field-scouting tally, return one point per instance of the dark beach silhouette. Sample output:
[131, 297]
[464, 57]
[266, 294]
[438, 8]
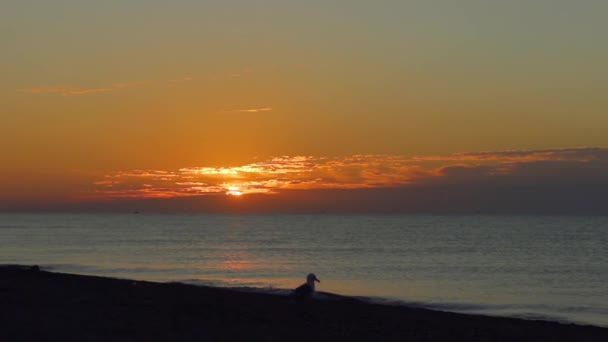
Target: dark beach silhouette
[45, 306]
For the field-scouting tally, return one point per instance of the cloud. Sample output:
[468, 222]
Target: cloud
[49, 89]
[239, 73]
[153, 174]
[181, 80]
[285, 173]
[71, 90]
[578, 154]
[121, 85]
[250, 110]
[86, 91]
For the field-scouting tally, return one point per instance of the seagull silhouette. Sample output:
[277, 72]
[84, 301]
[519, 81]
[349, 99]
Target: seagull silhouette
[307, 289]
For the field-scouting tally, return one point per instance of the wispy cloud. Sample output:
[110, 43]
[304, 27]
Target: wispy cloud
[250, 110]
[121, 85]
[181, 80]
[359, 172]
[67, 90]
[49, 89]
[72, 90]
[87, 91]
[579, 154]
[239, 73]
[230, 74]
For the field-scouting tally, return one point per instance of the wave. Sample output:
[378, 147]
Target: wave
[532, 311]
[523, 311]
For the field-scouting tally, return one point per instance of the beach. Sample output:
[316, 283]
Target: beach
[44, 306]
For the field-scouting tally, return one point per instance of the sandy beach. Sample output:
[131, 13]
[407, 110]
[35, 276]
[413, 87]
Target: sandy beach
[46, 306]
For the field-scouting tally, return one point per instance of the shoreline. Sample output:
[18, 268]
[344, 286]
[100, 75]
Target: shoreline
[42, 305]
[462, 307]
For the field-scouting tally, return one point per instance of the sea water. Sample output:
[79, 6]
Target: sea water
[538, 267]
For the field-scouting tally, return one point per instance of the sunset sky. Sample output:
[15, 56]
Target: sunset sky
[280, 106]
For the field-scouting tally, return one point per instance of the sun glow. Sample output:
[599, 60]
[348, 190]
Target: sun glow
[285, 173]
[234, 191]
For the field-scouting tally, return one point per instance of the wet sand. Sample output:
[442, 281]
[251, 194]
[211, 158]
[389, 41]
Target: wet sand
[44, 306]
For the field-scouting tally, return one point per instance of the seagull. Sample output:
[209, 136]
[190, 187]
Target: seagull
[307, 289]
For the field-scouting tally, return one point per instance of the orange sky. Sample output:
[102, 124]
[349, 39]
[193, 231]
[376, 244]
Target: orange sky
[99, 100]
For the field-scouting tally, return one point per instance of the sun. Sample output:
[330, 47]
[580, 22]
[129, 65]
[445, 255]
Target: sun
[234, 191]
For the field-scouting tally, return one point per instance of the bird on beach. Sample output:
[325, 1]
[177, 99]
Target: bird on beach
[307, 289]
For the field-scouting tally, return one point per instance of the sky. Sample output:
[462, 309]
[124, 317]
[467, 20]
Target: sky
[297, 106]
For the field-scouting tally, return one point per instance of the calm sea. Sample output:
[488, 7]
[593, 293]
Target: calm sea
[550, 267]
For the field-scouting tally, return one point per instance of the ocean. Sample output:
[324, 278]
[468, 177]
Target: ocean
[536, 267]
